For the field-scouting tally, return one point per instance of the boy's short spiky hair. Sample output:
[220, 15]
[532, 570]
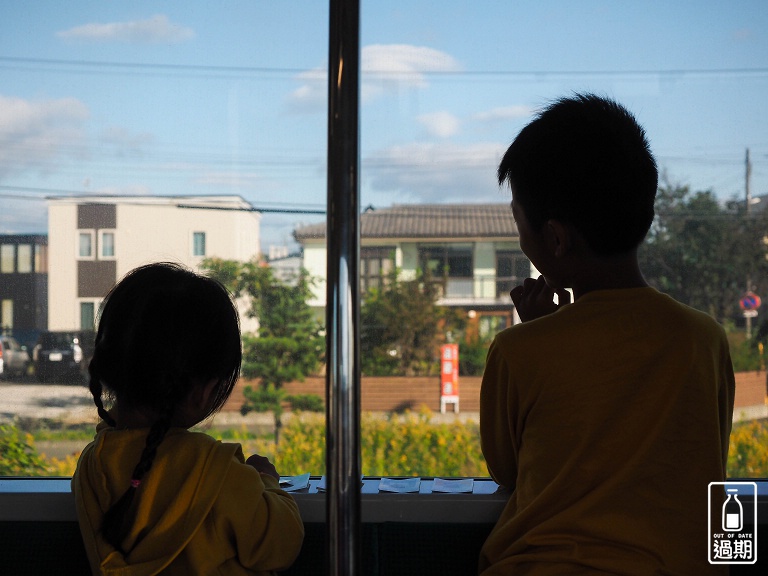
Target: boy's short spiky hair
[585, 161]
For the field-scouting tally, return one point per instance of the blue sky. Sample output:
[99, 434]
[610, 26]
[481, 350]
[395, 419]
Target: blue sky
[194, 97]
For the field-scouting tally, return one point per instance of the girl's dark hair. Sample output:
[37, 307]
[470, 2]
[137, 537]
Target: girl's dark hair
[586, 161]
[163, 330]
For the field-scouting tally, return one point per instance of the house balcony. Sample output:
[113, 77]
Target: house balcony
[477, 291]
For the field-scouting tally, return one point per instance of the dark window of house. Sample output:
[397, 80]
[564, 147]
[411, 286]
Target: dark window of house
[511, 269]
[376, 264]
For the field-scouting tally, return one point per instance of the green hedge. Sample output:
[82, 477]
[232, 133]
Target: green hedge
[411, 444]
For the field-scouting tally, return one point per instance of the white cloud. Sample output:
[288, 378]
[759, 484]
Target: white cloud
[504, 113]
[155, 30]
[34, 134]
[441, 124]
[405, 63]
[312, 95]
[384, 68]
[436, 172]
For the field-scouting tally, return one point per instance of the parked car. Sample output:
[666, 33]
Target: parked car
[63, 355]
[14, 358]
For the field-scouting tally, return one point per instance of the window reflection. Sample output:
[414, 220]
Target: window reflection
[233, 103]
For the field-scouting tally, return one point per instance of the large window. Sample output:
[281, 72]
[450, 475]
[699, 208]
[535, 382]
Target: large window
[24, 255]
[106, 244]
[6, 315]
[198, 244]
[85, 241]
[41, 258]
[511, 269]
[146, 108]
[87, 315]
[7, 258]
[376, 265]
[451, 267]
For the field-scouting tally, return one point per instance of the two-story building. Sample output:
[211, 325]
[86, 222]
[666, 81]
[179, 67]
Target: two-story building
[95, 240]
[23, 286]
[472, 250]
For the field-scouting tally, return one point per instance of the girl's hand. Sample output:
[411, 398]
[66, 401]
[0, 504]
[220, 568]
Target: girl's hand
[263, 465]
[535, 298]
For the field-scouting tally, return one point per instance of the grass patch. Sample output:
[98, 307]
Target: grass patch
[75, 433]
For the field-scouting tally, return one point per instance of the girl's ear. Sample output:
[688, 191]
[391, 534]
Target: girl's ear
[207, 391]
[558, 238]
[201, 395]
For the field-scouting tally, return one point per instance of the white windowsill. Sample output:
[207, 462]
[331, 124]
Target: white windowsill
[51, 500]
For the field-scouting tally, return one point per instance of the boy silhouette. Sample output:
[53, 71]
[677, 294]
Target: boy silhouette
[608, 417]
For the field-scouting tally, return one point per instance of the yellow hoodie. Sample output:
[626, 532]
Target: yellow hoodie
[199, 510]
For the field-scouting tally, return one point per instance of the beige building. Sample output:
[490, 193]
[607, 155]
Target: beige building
[94, 240]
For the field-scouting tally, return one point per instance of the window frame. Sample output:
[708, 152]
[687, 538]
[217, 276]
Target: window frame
[196, 234]
[102, 233]
[4, 258]
[95, 302]
[82, 232]
[26, 259]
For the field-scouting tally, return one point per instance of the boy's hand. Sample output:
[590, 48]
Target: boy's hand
[535, 298]
[263, 465]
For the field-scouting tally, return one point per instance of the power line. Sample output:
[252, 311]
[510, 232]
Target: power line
[252, 209]
[150, 66]
[384, 73]
[266, 207]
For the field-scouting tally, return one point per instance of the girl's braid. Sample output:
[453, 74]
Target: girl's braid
[118, 520]
[154, 438]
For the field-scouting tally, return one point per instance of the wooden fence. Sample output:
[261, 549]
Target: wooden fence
[387, 394]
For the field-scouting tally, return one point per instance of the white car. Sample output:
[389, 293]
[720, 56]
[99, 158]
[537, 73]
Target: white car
[14, 358]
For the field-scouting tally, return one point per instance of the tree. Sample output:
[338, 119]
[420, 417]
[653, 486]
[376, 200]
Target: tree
[702, 253]
[402, 326]
[289, 344]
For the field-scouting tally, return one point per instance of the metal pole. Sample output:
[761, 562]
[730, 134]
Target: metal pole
[748, 201]
[343, 302]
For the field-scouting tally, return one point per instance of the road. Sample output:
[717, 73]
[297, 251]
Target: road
[66, 403]
[72, 404]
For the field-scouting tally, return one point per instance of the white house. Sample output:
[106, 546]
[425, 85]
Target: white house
[94, 240]
[472, 250]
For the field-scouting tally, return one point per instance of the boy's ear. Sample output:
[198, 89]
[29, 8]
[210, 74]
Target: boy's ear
[558, 237]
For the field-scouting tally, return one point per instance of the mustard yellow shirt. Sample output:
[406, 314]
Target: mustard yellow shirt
[607, 420]
[200, 509]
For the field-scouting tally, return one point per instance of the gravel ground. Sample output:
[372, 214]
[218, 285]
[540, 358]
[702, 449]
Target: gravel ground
[71, 404]
[67, 403]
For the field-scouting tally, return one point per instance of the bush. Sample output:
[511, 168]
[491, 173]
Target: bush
[748, 454]
[305, 402]
[18, 456]
[746, 354]
[472, 355]
[397, 445]
[411, 444]
[414, 445]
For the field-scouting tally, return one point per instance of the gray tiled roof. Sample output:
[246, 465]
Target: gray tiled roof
[429, 221]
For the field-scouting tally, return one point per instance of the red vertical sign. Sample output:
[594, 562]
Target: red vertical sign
[449, 370]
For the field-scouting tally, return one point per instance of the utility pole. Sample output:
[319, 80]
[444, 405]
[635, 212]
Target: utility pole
[747, 173]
